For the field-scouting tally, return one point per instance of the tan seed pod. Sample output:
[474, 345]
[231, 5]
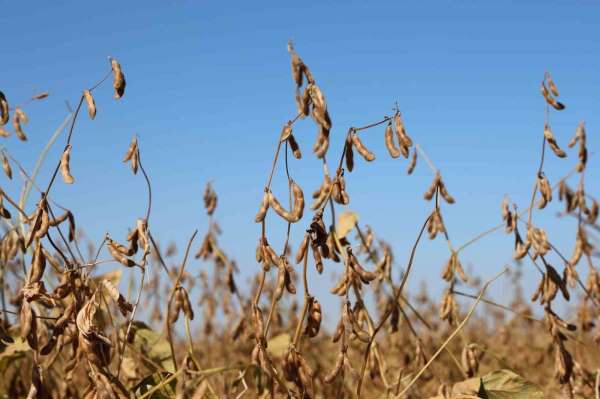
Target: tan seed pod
[289, 284]
[141, 229]
[305, 367]
[4, 110]
[521, 247]
[413, 163]
[563, 364]
[389, 142]
[551, 140]
[72, 229]
[118, 78]
[507, 216]
[35, 222]
[38, 265]
[286, 131]
[403, 138]
[360, 147]
[186, 305]
[448, 308]
[302, 249]
[322, 144]
[313, 322]
[332, 247]
[65, 168]
[444, 192]
[26, 319]
[40, 96]
[113, 248]
[132, 155]
[317, 97]
[297, 211]
[432, 187]
[91, 104]
[469, 360]
[21, 115]
[339, 331]
[280, 284]
[317, 257]
[545, 191]
[42, 229]
[3, 211]
[339, 364]
[349, 154]
[4, 132]
[264, 207]
[17, 121]
[341, 287]
[303, 103]
[294, 147]
[365, 276]
[175, 307]
[404, 150]
[131, 149]
[6, 167]
[551, 84]
[322, 193]
[539, 241]
[580, 137]
[210, 199]
[551, 100]
[296, 68]
[270, 256]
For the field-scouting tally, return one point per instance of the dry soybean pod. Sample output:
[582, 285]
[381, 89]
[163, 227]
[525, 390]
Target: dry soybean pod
[298, 208]
[91, 104]
[65, 168]
[389, 142]
[4, 110]
[360, 147]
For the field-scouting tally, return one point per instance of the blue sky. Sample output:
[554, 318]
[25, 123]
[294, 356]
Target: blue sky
[209, 86]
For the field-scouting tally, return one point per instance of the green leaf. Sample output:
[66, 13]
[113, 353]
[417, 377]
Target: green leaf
[279, 344]
[499, 384]
[12, 352]
[152, 345]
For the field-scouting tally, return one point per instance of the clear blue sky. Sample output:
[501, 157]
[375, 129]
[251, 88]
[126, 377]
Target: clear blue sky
[209, 86]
